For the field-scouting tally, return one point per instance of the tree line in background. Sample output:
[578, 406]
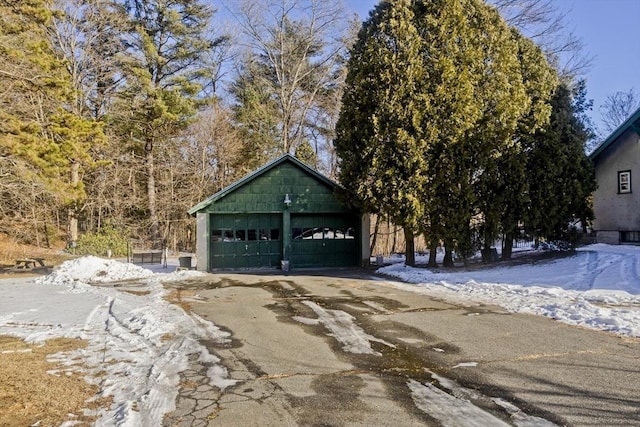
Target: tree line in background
[116, 116]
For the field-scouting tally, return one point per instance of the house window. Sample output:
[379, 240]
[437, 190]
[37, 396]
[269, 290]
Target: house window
[630, 236]
[624, 182]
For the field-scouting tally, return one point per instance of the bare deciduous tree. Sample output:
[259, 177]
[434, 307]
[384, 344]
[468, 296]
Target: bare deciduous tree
[617, 108]
[193, 167]
[87, 37]
[297, 44]
[547, 25]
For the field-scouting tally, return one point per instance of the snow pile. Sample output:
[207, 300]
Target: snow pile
[598, 287]
[91, 269]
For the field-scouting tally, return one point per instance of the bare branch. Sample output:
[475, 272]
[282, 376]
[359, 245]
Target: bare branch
[548, 26]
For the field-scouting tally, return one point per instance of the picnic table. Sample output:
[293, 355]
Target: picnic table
[29, 263]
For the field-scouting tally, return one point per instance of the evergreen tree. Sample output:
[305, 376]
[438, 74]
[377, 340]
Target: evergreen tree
[38, 121]
[256, 117]
[501, 188]
[379, 139]
[165, 71]
[435, 90]
[305, 153]
[561, 177]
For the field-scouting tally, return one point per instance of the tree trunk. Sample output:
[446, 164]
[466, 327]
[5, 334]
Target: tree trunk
[433, 251]
[409, 253]
[73, 214]
[393, 244]
[448, 256]
[151, 194]
[507, 246]
[386, 238]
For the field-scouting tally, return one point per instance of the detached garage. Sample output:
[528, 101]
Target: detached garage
[283, 215]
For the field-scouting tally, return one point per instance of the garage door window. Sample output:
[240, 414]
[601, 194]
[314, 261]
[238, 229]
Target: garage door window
[269, 234]
[229, 235]
[323, 233]
[222, 235]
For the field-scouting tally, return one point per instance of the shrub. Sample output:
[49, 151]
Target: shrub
[99, 243]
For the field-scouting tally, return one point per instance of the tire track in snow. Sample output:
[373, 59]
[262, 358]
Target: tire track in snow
[583, 280]
[591, 266]
[138, 347]
[629, 272]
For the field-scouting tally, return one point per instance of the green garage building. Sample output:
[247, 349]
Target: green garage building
[283, 215]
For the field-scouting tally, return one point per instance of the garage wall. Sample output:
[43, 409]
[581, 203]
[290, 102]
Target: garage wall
[247, 225]
[266, 193]
[202, 241]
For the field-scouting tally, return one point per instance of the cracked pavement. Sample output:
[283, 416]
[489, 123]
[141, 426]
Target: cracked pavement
[342, 351]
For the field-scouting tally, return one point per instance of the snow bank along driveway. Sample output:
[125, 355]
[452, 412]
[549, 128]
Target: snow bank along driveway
[599, 287]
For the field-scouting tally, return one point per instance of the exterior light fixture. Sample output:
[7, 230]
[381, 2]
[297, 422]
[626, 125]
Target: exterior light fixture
[287, 200]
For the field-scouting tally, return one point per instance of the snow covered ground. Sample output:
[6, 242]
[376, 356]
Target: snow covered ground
[598, 287]
[139, 342]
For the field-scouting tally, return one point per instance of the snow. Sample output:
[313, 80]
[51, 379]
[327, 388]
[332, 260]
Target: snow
[138, 343]
[343, 328]
[454, 405]
[598, 287]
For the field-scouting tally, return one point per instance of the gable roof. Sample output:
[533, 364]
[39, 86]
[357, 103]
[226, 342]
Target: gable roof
[260, 171]
[633, 122]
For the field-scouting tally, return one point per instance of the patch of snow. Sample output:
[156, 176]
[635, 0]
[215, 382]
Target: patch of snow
[343, 328]
[463, 394]
[91, 269]
[450, 410]
[519, 418]
[466, 365]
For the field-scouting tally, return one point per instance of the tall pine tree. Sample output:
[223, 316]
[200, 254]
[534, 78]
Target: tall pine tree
[38, 122]
[380, 140]
[165, 70]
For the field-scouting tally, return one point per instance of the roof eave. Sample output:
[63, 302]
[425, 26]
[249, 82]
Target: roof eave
[629, 123]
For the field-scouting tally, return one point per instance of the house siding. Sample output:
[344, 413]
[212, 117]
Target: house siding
[616, 212]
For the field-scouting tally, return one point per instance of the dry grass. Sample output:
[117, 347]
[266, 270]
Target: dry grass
[28, 394]
[176, 297]
[10, 251]
[136, 293]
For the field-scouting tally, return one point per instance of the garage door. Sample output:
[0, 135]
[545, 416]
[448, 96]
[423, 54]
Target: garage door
[245, 241]
[323, 241]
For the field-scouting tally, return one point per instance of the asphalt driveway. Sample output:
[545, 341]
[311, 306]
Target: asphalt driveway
[346, 351]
